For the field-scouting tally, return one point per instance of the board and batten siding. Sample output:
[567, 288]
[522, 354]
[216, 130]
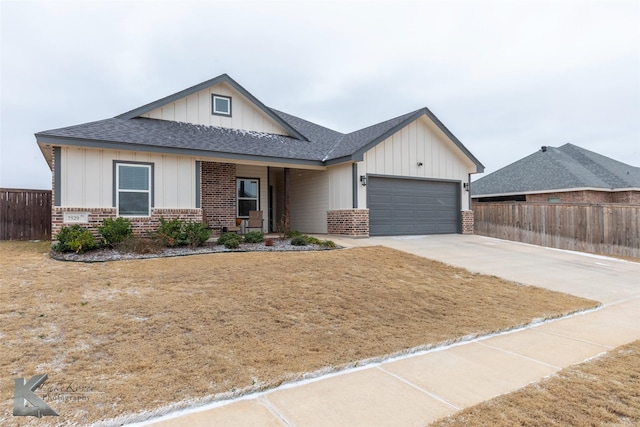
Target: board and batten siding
[196, 109]
[309, 201]
[340, 187]
[261, 173]
[423, 142]
[87, 178]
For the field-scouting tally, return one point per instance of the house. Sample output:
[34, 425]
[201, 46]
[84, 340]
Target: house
[214, 152]
[566, 174]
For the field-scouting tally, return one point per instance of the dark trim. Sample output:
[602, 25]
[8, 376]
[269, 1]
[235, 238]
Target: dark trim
[198, 184]
[57, 176]
[151, 183]
[110, 145]
[223, 78]
[354, 184]
[236, 192]
[213, 105]
[416, 178]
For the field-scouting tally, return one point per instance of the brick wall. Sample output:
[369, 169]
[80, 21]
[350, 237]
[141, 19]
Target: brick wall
[588, 196]
[140, 225]
[467, 222]
[218, 201]
[350, 222]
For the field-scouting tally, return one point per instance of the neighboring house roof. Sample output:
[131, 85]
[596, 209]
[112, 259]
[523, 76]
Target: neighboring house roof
[564, 168]
[308, 142]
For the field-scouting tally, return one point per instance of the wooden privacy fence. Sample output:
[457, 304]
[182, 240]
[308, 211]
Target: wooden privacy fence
[605, 229]
[25, 214]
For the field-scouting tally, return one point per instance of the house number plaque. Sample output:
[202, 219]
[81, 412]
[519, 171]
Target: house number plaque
[75, 217]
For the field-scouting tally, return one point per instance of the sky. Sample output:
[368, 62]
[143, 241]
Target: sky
[506, 77]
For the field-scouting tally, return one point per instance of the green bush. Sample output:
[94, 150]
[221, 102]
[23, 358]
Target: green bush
[176, 232]
[311, 240]
[232, 243]
[196, 233]
[224, 237]
[299, 241]
[74, 239]
[115, 231]
[328, 244]
[293, 233]
[254, 237]
[169, 233]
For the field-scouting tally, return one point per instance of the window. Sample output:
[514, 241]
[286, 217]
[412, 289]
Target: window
[133, 189]
[553, 199]
[221, 105]
[247, 192]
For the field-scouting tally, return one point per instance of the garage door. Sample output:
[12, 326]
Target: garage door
[400, 206]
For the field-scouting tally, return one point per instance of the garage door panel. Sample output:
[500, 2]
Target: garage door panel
[412, 206]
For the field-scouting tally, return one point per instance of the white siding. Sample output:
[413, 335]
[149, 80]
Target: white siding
[309, 200]
[420, 141]
[340, 187]
[261, 173]
[87, 178]
[196, 109]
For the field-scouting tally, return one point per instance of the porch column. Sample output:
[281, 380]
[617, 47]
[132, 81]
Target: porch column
[287, 182]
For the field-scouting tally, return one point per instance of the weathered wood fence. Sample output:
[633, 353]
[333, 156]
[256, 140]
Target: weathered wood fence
[605, 229]
[25, 214]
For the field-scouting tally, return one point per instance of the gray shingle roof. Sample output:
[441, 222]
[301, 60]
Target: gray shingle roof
[562, 168]
[309, 142]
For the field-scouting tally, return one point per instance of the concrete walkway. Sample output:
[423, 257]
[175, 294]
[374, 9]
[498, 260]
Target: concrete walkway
[421, 388]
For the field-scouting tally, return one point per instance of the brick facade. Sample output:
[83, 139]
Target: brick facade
[588, 196]
[140, 225]
[467, 222]
[350, 222]
[218, 181]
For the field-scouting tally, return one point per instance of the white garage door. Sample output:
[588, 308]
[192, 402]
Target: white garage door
[400, 206]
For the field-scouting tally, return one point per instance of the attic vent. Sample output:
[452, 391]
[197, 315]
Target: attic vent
[544, 148]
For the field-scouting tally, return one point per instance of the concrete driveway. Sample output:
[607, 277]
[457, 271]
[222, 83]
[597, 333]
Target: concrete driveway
[423, 387]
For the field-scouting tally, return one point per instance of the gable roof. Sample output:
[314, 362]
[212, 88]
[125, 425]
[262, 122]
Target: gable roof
[223, 78]
[564, 168]
[309, 143]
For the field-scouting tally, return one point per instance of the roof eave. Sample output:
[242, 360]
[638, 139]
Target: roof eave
[223, 78]
[115, 145]
[557, 190]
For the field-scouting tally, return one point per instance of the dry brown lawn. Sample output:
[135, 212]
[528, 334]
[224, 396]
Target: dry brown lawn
[139, 335]
[601, 392]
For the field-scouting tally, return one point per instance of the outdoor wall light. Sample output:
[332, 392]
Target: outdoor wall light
[419, 163]
[363, 180]
[465, 185]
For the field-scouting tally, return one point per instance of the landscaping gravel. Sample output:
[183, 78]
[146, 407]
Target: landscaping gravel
[102, 255]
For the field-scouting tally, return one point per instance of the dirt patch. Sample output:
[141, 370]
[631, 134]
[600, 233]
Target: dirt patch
[603, 391]
[140, 335]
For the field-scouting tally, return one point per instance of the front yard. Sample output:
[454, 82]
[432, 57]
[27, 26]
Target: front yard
[140, 335]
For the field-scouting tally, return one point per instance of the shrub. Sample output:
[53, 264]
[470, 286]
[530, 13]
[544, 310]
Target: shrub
[311, 240]
[226, 237]
[170, 233]
[75, 238]
[254, 237]
[196, 233]
[328, 244]
[299, 241]
[232, 243]
[293, 233]
[115, 231]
